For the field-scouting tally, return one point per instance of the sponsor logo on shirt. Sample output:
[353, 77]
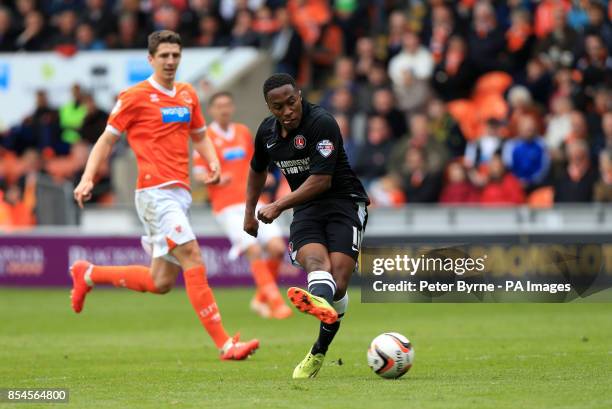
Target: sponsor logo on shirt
[233, 153]
[325, 147]
[175, 114]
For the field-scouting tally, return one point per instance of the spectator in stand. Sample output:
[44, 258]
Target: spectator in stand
[142, 19]
[229, 9]
[342, 102]
[86, 40]
[350, 146]
[576, 181]
[242, 34]
[265, 25]
[600, 24]
[419, 183]
[210, 33]
[546, 13]
[343, 77]
[486, 41]
[559, 126]
[521, 104]
[502, 188]
[519, 41]
[71, 116]
[562, 45]
[444, 129]
[286, 46]
[365, 58]
[479, 152]
[17, 205]
[419, 137]
[438, 31]
[7, 31]
[94, 122]
[383, 104]
[458, 190]
[34, 36]
[596, 65]
[64, 39]
[526, 155]
[377, 78]
[454, 75]
[604, 140]
[603, 187]
[351, 17]
[602, 103]
[371, 157]
[397, 26]
[168, 17]
[130, 35]
[23, 8]
[410, 71]
[538, 81]
[39, 130]
[100, 18]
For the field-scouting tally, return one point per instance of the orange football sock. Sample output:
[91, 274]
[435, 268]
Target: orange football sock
[265, 282]
[203, 302]
[274, 266]
[137, 278]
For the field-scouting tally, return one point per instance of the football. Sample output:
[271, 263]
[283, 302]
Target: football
[390, 355]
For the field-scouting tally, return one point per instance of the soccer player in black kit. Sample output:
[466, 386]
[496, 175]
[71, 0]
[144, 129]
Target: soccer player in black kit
[329, 205]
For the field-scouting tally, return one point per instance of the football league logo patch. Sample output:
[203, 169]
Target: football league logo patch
[325, 148]
[299, 142]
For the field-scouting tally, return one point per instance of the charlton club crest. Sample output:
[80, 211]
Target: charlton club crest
[299, 142]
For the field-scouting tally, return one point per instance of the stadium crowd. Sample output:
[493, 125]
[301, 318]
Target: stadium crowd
[455, 102]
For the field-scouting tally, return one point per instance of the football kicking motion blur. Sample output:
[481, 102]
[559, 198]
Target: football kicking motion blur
[234, 146]
[328, 201]
[159, 116]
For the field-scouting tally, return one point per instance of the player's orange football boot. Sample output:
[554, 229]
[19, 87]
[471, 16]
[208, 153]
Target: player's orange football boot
[313, 305]
[238, 351]
[79, 287]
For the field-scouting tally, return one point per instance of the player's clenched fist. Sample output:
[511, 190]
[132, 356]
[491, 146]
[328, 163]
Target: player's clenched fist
[268, 213]
[82, 192]
[251, 225]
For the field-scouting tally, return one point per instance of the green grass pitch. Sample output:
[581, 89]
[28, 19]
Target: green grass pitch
[129, 350]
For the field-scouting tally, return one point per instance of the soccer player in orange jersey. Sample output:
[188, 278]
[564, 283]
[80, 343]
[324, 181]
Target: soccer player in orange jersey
[159, 116]
[234, 146]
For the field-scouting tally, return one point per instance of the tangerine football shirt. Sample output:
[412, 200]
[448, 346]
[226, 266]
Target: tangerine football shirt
[158, 122]
[234, 148]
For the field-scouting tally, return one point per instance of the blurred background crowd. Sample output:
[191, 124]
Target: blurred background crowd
[463, 102]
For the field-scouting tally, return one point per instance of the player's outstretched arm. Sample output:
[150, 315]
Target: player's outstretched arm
[203, 145]
[255, 185]
[310, 189]
[98, 155]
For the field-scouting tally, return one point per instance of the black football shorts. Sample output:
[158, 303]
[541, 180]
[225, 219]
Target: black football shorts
[338, 224]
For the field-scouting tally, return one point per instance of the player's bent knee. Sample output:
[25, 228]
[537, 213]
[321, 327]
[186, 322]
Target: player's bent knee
[163, 285]
[276, 249]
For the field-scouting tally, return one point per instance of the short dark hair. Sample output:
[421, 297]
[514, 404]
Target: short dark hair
[277, 80]
[220, 94]
[163, 36]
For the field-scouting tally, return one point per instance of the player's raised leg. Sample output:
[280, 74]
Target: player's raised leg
[318, 298]
[157, 279]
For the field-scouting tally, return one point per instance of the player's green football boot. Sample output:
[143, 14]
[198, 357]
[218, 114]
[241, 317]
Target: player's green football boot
[309, 367]
[313, 305]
